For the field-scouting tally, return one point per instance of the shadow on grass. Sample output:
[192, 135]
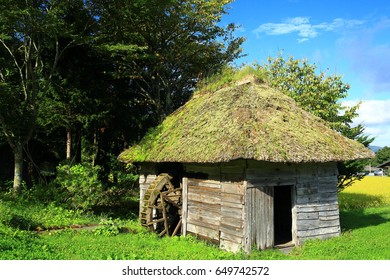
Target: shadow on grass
[353, 214]
[354, 219]
[122, 210]
[22, 223]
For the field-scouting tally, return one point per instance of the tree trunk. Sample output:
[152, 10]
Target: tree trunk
[68, 144]
[18, 167]
[77, 151]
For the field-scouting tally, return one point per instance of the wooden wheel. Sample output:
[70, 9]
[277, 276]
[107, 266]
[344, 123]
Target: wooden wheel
[161, 207]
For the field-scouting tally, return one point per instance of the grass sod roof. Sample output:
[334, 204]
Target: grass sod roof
[243, 121]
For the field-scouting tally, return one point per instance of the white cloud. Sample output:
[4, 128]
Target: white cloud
[375, 117]
[304, 28]
[372, 112]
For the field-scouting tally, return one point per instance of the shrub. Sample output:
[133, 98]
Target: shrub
[81, 183]
[108, 227]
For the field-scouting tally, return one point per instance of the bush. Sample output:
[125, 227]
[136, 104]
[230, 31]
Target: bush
[81, 183]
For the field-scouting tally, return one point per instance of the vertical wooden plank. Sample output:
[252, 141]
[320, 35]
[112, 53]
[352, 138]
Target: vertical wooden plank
[247, 245]
[184, 206]
[270, 215]
[248, 220]
[265, 218]
[294, 213]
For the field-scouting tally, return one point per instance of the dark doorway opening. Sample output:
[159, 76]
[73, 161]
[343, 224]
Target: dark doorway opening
[282, 215]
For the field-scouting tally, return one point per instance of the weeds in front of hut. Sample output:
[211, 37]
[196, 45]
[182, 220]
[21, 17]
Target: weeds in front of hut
[364, 234]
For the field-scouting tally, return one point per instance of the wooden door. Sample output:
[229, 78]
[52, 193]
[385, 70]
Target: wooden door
[260, 217]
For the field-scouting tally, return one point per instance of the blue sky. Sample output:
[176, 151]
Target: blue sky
[347, 38]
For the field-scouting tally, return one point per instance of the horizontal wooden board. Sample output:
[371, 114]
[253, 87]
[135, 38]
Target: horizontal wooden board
[327, 189]
[330, 213]
[232, 231]
[325, 236]
[319, 231]
[316, 207]
[232, 238]
[307, 216]
[308, 224]
[302, 191]
[307, 200]
[329, 198]
[199, 207]
[203, 224]
[329, 223]
[209, 221]
[233, 188]
[232, 212]
[204, 190]
[207, 232]
[208, 211]
[330, 179]
[233, 222]
[270, 181]
[233, 204]
[204, 183]
[233, 198]
[203, 198]
[313, 225]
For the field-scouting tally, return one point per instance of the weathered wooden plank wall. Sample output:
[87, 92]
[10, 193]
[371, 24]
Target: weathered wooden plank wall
[204, 208]
[317, 210]
[215, 207]
[232, 203]
[314, 206]
[232, 220]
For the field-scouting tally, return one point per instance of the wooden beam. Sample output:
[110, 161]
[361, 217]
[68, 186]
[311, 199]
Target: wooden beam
[184, 206]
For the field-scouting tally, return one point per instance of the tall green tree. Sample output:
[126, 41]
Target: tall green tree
[322, 95]
[30, 33]
[157, 50]
[163, 47]
[381, 156]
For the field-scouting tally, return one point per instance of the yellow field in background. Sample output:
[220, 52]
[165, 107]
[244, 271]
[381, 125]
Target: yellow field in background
[371, 191]
[372, 185]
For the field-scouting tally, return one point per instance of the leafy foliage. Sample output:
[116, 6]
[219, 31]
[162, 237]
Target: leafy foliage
[108, 227]
[90, 77]
[33, 38]
[321, 95]
[381, 156]
[164, 47]
[82, 185]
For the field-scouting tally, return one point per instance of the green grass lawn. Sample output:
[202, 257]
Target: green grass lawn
[365, 236]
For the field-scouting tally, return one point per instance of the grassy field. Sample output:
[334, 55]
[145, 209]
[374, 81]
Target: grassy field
[364, 214]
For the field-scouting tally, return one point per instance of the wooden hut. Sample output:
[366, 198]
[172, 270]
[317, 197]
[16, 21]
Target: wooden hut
[248, 168]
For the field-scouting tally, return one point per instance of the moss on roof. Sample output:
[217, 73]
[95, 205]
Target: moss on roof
[244, 120]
